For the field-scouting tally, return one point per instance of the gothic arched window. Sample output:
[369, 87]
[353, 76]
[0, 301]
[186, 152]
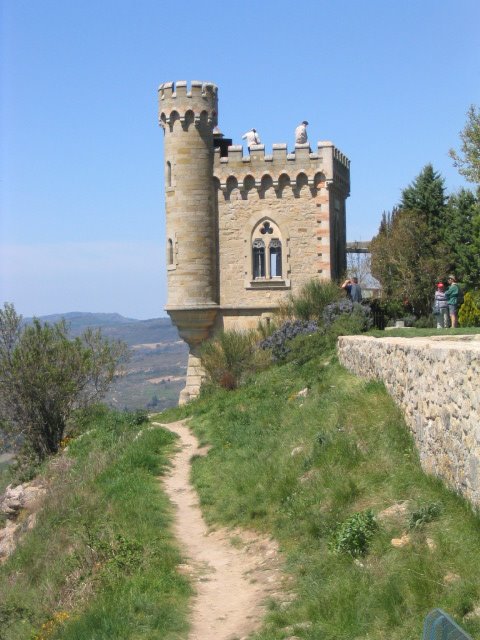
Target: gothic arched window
[275, 250]
[170, 252]
[258, 258]
[267, 259]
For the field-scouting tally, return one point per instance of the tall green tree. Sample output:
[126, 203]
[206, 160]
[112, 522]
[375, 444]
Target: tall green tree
[468, 160]
[45, 376]
[426, 195]
[461, 234]
[408, 254]
[405, 263]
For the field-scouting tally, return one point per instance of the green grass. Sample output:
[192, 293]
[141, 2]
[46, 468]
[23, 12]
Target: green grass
[308, 470]
[102, 552]
[419, 333]
[297, 468]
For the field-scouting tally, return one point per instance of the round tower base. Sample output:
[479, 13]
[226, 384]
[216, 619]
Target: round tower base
[195, 377]
[194, 325]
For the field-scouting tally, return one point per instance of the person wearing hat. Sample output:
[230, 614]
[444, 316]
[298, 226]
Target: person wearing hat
[440, 307]
[452, 294]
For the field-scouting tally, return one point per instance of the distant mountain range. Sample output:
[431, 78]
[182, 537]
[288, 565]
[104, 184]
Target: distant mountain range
[155, 373]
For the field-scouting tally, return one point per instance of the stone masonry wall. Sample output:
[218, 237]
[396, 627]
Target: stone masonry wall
[303, 195]
[436, 382]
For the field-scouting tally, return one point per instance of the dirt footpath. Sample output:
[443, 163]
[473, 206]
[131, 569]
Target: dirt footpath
[233, 571]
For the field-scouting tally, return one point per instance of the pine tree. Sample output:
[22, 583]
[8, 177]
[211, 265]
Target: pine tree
[461, 235]
[426, 194]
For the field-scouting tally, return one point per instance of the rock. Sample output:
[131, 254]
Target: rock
[450, 578]
[308, 476]
[474, 613]
[12, 501]
[401, 542]
[297, 450]
[397, 510]
[7, 540]
[431, 544]
[297, 627]
[24, 496]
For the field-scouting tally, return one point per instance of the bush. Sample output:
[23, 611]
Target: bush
[425, 322]
[345, 325]
[424, 514]
[45, 377]
[230, 357]
[360, 313]
[307, 346]
[277, 342]
[314, 296]
[138, 417]
[354, 535]
[469, 312]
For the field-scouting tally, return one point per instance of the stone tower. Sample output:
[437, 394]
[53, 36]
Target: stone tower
[243, 231]
[188, 119]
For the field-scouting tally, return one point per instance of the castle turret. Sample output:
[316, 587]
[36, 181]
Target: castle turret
[243, 231]
[188, 118]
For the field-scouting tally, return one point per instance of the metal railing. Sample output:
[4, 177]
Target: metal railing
[439, 626]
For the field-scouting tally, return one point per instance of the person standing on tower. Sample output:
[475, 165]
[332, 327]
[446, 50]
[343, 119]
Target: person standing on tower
[301, 136]
[251, 137]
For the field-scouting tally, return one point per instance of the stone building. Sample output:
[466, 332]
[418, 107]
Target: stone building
[243, 231]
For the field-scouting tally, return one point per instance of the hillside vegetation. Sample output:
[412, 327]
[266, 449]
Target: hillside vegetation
[101, 562]
[301, 450]
[372, 543]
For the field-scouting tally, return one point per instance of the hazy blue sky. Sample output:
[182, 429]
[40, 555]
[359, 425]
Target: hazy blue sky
[82, 209]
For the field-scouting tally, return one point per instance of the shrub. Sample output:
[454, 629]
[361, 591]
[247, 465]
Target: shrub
[314, 296]
[425, 322]
[45, 376]
[346, 325]
[424, 514]
[354, 535]
[277, 342]
[360, 314]
[307, 346]
[469, 312]
[394, 309]
[230, 357]
[265, 329]
[138, 417]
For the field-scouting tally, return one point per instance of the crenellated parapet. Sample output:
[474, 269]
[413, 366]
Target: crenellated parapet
[327, 166]
[242, 231]
[195, 103]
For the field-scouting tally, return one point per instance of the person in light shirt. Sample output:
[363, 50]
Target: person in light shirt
[252, 138]
[301, 136]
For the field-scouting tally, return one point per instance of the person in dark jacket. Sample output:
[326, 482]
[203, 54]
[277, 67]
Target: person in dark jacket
[353, 289]
[452, 298]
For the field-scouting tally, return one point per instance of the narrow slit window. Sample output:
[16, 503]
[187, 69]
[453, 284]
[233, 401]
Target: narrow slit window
[170, 251]
[169, 173]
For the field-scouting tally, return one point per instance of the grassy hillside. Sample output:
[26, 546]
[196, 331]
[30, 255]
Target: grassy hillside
[101, 561]
[370, 542]
[335, 477]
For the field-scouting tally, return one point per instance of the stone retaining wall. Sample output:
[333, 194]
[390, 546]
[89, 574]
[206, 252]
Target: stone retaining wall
[436, 382]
